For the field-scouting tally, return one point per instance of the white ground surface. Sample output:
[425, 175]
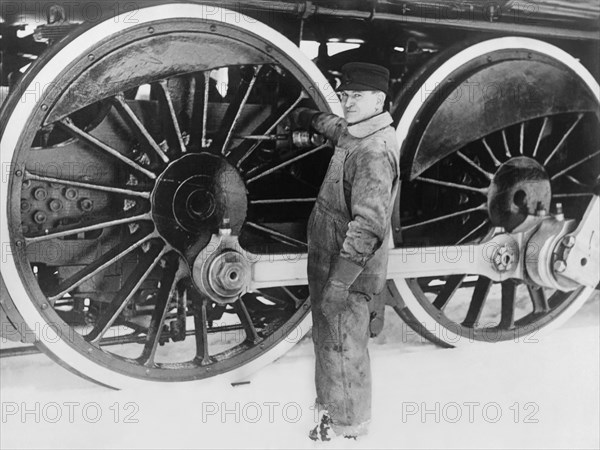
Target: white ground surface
[539, 393]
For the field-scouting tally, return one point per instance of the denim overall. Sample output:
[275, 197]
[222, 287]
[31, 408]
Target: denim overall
[342, 374]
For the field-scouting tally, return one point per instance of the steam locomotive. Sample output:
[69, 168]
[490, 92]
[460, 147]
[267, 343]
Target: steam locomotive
[155, 192]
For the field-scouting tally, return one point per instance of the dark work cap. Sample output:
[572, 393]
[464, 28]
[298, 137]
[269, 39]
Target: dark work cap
[359, 76]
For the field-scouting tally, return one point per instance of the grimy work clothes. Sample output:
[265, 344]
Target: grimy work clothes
[351, 217]
[350, 222]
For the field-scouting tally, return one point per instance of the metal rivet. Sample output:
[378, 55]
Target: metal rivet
[25, 206]
[90, 349]
[150, 30]
[40, 217]
[213, 28]
[306, 306]
[269, 49]
[86, 204]
[19, 244]
[262, 346]
[71, 194]
[147, 371]
[91, 57]
[44, 305]
[489, 59]
[44, 107]
[40, 194]
[55, 205]
[19, 173]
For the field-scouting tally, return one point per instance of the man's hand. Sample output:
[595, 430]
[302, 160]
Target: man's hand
[334, 298]
[301, 118]
[342, 274]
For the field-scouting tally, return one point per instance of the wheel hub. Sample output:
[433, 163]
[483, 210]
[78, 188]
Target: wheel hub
[519, 188]
[222, 272]
[193, 196]
[228, 276]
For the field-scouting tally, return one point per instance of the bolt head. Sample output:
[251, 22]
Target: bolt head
[560, 266]
[569, 241]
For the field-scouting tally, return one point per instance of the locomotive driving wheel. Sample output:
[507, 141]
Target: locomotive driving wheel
[132, 236]
[492, 133]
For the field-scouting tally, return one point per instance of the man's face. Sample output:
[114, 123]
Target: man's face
[361, 105]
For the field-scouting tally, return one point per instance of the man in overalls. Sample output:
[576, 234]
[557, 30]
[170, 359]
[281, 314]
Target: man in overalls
[348, 237]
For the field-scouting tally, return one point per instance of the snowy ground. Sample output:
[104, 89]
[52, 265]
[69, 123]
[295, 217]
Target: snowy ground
[539, 393]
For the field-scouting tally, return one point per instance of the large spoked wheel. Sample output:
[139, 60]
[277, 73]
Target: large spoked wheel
[492, 133]
[146, 139]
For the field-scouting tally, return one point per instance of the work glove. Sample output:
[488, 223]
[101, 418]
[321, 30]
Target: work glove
[334, 297]
[302, 117]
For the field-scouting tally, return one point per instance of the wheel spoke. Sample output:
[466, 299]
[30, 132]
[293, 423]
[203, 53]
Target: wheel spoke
[201, 331]
[521, 137]
[125, 294]
[506, 149]
[277, 235]
[164, 89]
[297, 301]
[238, 105]
[168, 286]
[286, 163]
[283, 200]
[497, 163]
[474, 230]
[77, 132]
[84, 229]
[205, 143]
[572, 166]
[94, 187]
[276, 120]
[539, 300]
[99, 265]
[453, 282]
[190, 101]
[507, 315]
[137, 126]
[482, 191]
[246, 320]
[581, 194]
[563, 139]
[481, 207]
[482, 288]
[539, 139]
[472, 163]
[576, 181]
[263, 137]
